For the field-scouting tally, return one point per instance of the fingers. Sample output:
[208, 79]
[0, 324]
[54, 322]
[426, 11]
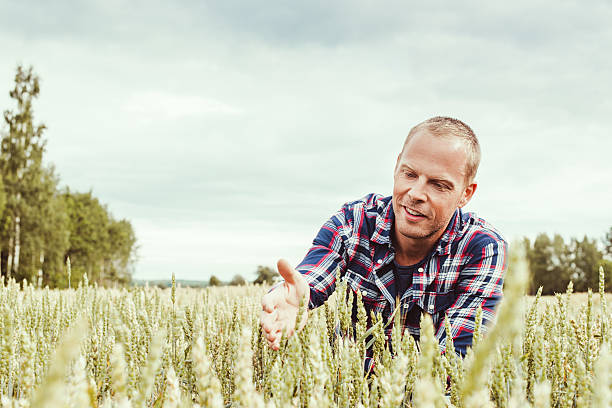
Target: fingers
[271, 328]
[270, 324]
[269, 319]
[273, 334]
[274, 345]
[273, 339]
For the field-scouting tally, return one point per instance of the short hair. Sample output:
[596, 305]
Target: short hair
[443, 126]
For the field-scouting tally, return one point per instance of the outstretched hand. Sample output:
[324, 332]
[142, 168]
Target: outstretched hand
[281, 306]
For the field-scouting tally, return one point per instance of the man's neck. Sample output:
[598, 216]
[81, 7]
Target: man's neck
[409, 251]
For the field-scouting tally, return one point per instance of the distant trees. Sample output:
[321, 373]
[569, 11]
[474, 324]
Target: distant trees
[2, 196]
[237, 280]
[40, 226]
[99, 245]
[608, 244]
[23, 176]
[549, 263]
[214, 281]
[265, 275]
[553, 263]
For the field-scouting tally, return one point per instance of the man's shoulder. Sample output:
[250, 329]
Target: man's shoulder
[478, 233]
[370, 215]
[368, 203]
[373, 208]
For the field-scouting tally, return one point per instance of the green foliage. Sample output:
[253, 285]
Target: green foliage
[608, 243]
[100, 246]
[41, 226]
[554, 263]
[31, 227]
[265, 275]
[55, 239]
[122, 253]
[2, 196]
[585, 263]
[548, 263]
[237, 280]
[214, 281]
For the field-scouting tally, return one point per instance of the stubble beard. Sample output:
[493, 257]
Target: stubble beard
[408, 230]
[412, 231]
[422, 234]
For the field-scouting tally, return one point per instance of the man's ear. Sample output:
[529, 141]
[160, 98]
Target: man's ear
[468, 193]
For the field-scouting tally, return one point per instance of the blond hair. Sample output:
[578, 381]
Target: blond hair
[444, 126]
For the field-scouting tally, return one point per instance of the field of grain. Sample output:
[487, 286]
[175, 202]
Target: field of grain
[90, 347]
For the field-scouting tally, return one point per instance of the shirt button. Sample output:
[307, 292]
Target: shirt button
[430, 307]
[421, 270]
[364, 293]
[405, 305]
[379, 261]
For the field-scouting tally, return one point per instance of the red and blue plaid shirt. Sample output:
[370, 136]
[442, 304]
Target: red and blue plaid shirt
[464, 270]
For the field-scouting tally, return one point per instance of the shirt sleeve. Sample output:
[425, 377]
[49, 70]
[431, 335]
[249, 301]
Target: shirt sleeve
[480, 284]
[327, 254]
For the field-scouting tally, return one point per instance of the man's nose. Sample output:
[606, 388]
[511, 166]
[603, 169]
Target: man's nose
[417, 191]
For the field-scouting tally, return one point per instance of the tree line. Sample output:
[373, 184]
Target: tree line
[553, 262]
[43, 228]
[265, 276]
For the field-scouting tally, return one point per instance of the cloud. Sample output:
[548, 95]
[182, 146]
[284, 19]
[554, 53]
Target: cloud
[161, 105]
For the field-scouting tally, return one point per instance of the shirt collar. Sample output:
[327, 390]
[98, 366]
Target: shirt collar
[384, 223]
[451, 232]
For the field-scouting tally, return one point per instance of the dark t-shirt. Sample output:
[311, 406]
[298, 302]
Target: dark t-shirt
[403, 278]
[410, 313]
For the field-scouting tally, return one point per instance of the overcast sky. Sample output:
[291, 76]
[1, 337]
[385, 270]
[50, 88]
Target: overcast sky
[227, 132]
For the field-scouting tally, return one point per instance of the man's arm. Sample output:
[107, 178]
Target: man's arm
[480, 285]
[314, 280]
[327, 253]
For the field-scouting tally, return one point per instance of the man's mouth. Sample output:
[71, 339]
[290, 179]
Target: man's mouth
[413, 214]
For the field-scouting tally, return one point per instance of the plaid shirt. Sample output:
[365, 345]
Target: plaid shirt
[464, 270]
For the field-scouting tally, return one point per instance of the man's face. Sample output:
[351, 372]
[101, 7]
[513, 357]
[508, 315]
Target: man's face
[428, 185]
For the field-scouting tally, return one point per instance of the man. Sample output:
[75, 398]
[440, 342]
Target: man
[416, 246]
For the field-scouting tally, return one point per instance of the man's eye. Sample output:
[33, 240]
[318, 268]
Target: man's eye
[441, 186]
[409, 174]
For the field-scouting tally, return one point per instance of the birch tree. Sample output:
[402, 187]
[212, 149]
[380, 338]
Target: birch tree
[21, 151]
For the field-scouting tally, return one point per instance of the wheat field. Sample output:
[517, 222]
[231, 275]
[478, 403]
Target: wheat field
[180, 347]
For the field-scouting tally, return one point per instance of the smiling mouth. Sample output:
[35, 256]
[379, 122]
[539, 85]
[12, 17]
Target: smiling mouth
[413, 214]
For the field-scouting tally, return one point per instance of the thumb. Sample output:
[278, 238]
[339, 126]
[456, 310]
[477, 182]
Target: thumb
[287, 272]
